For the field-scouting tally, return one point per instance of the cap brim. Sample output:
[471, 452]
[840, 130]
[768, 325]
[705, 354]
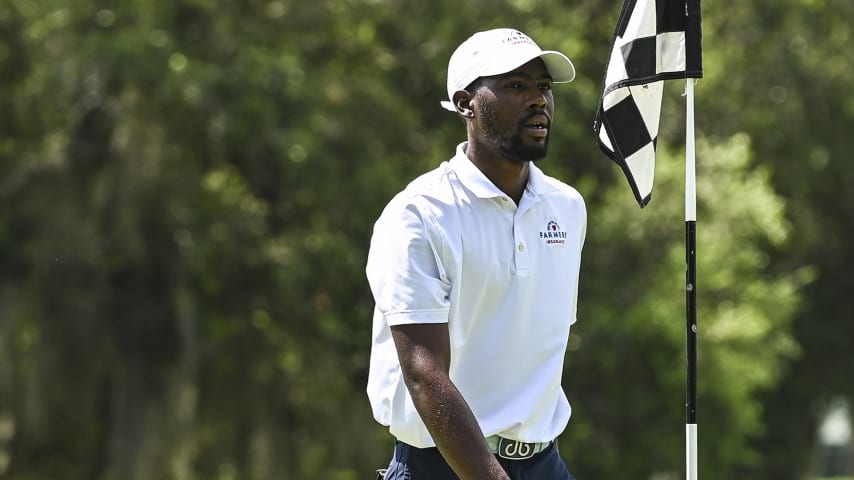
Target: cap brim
[559, 66]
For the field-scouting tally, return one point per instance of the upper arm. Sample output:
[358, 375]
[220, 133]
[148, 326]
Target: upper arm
[405, 268]
[411, 290]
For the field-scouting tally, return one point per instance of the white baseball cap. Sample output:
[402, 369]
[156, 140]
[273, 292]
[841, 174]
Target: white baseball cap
[498, 51]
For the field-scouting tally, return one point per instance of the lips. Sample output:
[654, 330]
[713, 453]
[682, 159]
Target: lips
[537, 126]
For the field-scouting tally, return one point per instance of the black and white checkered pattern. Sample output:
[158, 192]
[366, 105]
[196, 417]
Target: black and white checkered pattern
[655, 40]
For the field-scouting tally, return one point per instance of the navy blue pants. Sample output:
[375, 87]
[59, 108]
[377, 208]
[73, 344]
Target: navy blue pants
[410, 463]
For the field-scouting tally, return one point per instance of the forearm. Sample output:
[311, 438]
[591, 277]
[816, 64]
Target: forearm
[454, 428]
[425, 358]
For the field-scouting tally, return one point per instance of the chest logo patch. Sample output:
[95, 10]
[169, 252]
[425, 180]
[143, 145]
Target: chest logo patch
[553, 235]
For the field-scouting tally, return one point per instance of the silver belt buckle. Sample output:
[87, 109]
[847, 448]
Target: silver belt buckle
[515, 450]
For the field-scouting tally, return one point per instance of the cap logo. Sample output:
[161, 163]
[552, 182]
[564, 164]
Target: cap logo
[518, 38]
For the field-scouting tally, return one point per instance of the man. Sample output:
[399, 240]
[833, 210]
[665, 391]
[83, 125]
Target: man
[474, 270]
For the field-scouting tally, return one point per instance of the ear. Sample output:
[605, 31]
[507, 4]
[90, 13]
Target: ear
[463, 103]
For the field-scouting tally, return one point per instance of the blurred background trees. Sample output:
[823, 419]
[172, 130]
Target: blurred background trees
[187, 190]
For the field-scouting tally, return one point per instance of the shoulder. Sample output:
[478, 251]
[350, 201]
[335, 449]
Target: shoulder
[429, 194]
[423, 209]
[552, 187]
[564, 189]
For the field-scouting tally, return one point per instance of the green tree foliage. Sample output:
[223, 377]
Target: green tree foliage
[187, 191]
[785, 81]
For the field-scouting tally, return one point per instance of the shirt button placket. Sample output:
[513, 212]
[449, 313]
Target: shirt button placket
[523, 263]
[520, 251]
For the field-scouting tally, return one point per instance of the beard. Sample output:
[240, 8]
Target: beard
[510, 143]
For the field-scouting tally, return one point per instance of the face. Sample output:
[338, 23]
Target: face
[513, 112]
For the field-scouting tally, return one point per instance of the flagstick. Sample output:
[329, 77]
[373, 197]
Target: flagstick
[691, 285]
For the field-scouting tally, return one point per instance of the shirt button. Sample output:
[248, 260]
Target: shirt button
[521, 247]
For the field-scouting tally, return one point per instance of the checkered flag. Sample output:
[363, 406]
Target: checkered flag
[655, 40]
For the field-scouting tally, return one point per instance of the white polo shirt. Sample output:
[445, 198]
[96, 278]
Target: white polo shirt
[453, 248]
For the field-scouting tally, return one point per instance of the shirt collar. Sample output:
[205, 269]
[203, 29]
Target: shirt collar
[473, 179]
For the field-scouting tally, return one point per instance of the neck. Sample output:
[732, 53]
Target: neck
[510, 176]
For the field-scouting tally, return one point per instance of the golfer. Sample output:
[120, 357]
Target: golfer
[474, 271]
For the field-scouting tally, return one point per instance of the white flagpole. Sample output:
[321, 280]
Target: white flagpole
[690, 285]
[690, 173]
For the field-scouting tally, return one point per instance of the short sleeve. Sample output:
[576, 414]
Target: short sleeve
[404, 267]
